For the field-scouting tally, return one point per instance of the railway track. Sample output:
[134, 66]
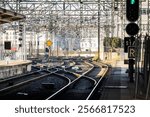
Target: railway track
[35, 89]
[52, 69]
[80, 88]
[57, 84]
[41, 83]
[72, 76]
[77, 90]
[94, 73]
[80, 68]
[94, 94]
[9, 82]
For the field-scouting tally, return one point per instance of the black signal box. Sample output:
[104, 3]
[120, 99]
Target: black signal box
[7, 45]
[132, 10]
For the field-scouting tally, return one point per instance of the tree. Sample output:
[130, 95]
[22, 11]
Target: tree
[113, 42]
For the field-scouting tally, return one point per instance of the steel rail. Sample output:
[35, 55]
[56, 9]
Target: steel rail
[98, 83]
[5, 90]
[74, 81]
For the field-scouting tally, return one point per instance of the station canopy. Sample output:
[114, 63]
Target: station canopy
[7, 16]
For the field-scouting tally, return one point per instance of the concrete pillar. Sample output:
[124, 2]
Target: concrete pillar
[24, 43]
[1, 45]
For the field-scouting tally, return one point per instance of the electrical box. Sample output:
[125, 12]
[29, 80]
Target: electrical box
[7, 45]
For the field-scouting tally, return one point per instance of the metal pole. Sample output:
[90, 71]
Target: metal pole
[136, 68]
[147, 91]
[47, 38]
[148, 69]
[24, 43]
[49, 54]
[112, 27]
[99, 29]
[81, 24]
[38, 46]
[35, 44]
[57, 48]
[137, 58]
[1, 44]
[145, 63]
[148, 17]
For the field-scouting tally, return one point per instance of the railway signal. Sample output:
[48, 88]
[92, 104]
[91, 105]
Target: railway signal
[132, 15]
[132, 29]
[132, 10]
[20, 32]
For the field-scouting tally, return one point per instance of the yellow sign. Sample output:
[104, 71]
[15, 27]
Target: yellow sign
[49, 43]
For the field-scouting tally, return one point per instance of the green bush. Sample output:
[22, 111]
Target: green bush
[113, 42]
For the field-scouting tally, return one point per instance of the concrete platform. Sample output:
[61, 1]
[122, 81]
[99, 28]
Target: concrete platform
[14, 63]
[117, 86]
[14, 67]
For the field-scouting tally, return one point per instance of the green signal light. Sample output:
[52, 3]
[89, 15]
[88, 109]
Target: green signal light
[132, 1]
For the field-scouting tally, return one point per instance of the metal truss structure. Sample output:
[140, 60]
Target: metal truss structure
[71, 18]
[64, 15]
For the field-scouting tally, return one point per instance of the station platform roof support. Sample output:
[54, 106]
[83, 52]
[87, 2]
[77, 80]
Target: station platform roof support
[7, 16]
[8, 67]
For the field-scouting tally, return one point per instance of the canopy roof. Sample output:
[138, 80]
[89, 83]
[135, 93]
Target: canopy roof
[7, 16]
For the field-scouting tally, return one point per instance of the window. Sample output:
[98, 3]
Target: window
[144, 11]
